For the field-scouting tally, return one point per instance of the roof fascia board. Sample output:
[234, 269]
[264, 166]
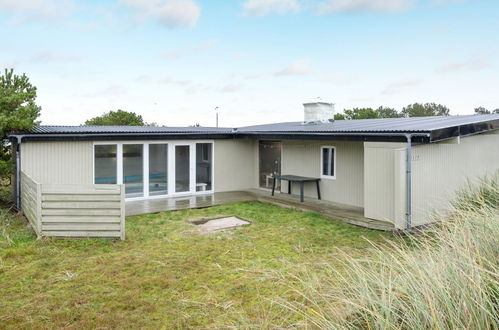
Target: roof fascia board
[464, 130]
[119, 137]
[367, 137]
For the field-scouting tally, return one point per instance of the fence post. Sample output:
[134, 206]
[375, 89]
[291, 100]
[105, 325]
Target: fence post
[39, 209]
[122, 211]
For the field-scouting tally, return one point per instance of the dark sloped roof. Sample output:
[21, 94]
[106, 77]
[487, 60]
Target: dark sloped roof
[124, 129]
[428, 129]
[394, 125]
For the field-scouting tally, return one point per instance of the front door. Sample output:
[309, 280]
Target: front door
[269, 162]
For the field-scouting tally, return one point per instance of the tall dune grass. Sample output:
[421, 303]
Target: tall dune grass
[443, 278]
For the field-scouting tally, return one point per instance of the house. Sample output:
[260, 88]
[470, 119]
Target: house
[396, 170]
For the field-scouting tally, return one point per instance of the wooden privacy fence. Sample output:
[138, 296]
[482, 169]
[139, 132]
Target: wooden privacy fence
[70, 210]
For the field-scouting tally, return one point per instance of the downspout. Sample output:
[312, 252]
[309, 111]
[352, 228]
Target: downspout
[408, 175]
[18, 172]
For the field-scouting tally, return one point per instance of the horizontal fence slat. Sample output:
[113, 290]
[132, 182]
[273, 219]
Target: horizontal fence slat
[69, 212]
[82, 227]
[81, 205]
[96, 197]
[81, 233]
[80, 189]
[84, 219]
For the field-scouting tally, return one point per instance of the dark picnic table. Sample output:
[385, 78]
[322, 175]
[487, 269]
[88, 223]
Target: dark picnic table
[295, 178]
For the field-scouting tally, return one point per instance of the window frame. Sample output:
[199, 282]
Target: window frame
[171, 145]
[324, 176]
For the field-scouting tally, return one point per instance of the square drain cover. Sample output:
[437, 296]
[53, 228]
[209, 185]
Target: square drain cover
[212, 225]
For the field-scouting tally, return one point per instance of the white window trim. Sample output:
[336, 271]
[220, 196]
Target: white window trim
[323, 176]
[171, 144]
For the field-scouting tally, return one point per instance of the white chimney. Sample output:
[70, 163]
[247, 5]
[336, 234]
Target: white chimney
[318, 112]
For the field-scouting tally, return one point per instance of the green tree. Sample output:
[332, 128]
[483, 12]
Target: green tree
[117, 118]
[385, 112]
[360, 113]
[425, 110]
[18, 112]
[481, 111]
[484, 111]
[339, 116]
[366, 113]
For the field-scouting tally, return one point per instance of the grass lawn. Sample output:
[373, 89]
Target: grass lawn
[165, 274]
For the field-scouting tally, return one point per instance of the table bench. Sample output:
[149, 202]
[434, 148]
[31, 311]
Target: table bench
[299, 179]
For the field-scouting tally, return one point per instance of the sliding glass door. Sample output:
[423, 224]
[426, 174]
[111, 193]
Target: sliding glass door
[155, 169]
[204, 166]
[158, 169]
[133, 169]
[183, 175]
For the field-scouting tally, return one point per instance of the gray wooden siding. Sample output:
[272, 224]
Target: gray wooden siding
[65, 210]
[235, 165]
[68, 162]
[71, 162]
[442, 169]
[439, 171]
[303, 158]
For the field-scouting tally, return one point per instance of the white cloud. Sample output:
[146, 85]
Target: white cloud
[196, 49]
[51, 56]
[398, 86]
[197, 88]
[297, 68]
[170, 13]
[265, 7]
[474, 64]
[25, 10]
[143, 78]
[230, 88]
[254, 76]
[173, 81]
[334, 6]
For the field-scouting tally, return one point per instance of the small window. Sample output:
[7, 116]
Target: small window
[328, 162]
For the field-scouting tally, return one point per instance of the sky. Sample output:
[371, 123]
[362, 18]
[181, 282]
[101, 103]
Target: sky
[258, 61]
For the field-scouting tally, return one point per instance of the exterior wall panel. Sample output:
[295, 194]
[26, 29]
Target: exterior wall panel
[440, 170]
[68, 162]
[235, 165]
[384, 182]
[303, 158]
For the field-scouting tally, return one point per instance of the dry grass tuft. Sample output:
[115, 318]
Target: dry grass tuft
[443, 278]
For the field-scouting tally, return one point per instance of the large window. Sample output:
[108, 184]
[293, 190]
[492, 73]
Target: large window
[158, 169]
[328, 162]
[133, 170]
[105, 164]
[203, 166]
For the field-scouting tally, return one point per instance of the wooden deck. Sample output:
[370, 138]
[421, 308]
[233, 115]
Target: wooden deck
[349, 214]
